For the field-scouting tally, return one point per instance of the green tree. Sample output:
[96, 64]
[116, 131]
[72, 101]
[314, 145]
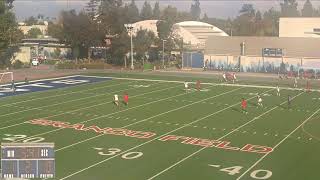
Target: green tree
[244, 24]
[56, 30]
[156, 11]
[143, 41]
[271, 22]
[307, 10]
[195, 10]
[205, 18]
[146, 11]
[80, 32]
[92, 8]
[289, 8]
[258, 24]
[34, 33]
[183, 16]
[132, 12]
[9, 33]
[113, 17]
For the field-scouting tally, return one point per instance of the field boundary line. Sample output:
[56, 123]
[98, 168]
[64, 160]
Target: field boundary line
[107, 115]
[160, 114]
[78, 108]
[219, 84]
[231, 132]
[73, 92]
[151, 140]
[278, 144]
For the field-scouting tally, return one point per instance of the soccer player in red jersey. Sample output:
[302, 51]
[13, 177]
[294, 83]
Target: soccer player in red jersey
[244, 106]
[126, 99]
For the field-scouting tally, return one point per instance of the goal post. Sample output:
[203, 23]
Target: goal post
[6, 79]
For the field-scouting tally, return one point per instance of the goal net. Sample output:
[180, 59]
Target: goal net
[6, 79]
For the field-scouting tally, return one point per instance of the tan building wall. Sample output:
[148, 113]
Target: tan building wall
[43, 28]
[299, 27]
[22, 55]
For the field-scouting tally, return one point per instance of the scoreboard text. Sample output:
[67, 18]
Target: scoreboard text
[27, 160]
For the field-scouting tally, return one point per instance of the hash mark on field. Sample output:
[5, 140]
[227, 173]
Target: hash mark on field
[195, 126]
[244, 131]
[205, 127]
[159, 122]
[167, 123]
[216, 166]
[299, 137]
[118, 117]
[254, 132]
[276, 135]
[213, 128]
[310, 139]
[177, 124]
[265, 134]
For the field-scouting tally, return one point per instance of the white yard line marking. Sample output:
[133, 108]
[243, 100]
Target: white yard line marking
[87, 107]
[117, 111]
[231, 132]
[159, 122]
[147, 142]
[29, 109]
[219, 84]
[277, 145]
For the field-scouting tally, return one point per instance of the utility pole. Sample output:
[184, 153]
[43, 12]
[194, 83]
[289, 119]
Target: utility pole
[163, 40]
[130, 28]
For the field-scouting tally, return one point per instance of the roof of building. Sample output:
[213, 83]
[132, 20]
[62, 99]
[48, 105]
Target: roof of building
[195, 32]
[292, 46]
[192, 32]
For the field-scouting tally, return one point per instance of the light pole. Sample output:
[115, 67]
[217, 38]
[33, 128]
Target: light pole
[163, 40]
[130, 28]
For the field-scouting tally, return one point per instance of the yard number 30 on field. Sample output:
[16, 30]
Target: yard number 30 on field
[115, 151]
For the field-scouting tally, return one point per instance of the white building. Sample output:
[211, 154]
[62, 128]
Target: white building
[299, 27]
[193, 33]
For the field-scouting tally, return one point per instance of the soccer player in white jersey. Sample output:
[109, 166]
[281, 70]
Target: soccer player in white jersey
[186, 86]
[278, 91]
[224, 77]
[116, 100]
[260, 101]
[295, 85]
[234, 78]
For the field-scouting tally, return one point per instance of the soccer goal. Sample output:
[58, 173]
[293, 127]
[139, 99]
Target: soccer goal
[6, 79]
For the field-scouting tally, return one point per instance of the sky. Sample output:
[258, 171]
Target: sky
[213, 8]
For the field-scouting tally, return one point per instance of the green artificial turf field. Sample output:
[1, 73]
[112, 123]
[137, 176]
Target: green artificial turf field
[169, 134]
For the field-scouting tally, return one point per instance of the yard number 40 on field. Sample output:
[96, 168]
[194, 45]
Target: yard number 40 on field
[256, 174]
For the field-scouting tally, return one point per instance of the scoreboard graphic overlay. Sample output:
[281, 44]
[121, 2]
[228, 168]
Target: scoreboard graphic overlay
[27, 160]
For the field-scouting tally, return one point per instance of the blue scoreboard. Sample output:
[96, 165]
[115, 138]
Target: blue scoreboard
[27, 160]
